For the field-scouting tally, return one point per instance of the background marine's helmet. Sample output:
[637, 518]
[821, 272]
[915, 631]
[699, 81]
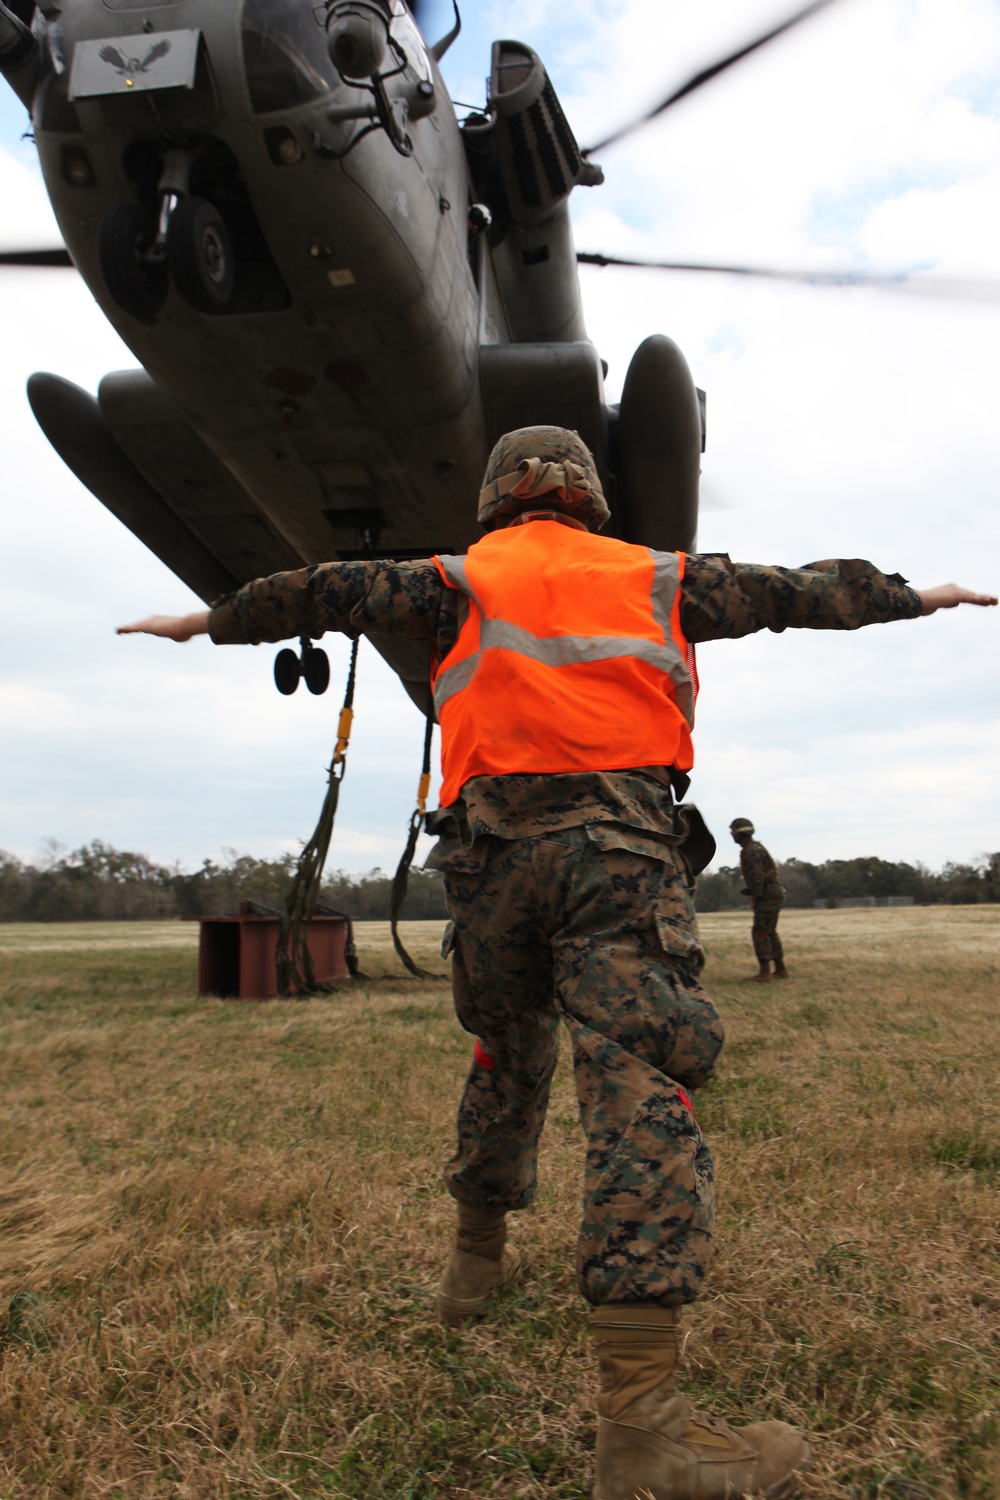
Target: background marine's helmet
[533, 462]
[740, 826]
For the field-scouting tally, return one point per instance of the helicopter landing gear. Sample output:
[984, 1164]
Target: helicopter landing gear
[286, 671]
[316, 669]
[311, 666]
[200, 254]
[133, 273]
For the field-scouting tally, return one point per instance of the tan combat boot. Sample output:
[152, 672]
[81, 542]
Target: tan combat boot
[480, 1261]
[650, 1440]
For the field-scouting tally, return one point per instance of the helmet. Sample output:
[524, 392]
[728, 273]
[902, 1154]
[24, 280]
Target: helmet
[741, 825]
[535, 461]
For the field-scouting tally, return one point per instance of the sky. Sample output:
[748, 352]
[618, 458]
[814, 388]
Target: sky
[840, 423]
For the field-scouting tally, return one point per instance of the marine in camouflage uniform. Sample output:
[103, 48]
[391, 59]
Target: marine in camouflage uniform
[761, 884]
[571, 896]
[572, 900]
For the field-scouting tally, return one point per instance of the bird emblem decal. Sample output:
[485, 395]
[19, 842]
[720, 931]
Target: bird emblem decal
[128, 67]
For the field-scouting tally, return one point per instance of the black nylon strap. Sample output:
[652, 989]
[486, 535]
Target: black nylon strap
[293, 960]
[401, 878]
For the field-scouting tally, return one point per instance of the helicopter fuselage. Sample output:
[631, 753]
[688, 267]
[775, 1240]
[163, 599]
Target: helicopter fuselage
[355, 395]
[362, 295]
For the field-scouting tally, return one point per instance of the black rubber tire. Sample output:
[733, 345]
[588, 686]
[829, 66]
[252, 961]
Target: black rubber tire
[126, 232]
[286, 671]
[200, 253]
[316, 670]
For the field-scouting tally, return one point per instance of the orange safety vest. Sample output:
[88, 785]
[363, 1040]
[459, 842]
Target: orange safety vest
[571, 658]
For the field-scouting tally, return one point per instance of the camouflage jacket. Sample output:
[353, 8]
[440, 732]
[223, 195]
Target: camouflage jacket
[720, 600]
[760, 875]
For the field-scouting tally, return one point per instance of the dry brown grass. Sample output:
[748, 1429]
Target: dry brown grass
[96, 937]
[222, 1223]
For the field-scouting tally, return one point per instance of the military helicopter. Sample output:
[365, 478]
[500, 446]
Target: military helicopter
[339, 293]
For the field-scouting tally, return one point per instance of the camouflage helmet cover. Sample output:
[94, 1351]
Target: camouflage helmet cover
[535, 461]
[741, 825]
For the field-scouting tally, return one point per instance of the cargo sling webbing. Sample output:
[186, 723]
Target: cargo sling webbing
[292, 957]
[402, 875]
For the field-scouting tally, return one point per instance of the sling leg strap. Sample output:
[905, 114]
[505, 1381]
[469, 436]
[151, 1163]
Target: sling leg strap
[293, 961]
[401, 878]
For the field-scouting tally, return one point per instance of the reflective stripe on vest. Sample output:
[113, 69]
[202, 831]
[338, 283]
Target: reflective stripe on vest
[508, 719]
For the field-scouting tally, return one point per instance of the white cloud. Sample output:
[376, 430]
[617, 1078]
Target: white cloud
[34, 223]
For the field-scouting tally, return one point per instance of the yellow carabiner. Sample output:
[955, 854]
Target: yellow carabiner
[422, 791]
[343, 734]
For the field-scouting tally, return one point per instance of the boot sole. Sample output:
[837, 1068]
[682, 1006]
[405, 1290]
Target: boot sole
[788, 1488]
[458, 1310]
[785, 1488]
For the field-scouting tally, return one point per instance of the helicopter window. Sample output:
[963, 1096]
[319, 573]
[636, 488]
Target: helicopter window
[406, 34]
[284, 55]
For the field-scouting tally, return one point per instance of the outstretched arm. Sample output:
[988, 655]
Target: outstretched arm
[171, 627]
[722, 600]
[948, 595]
[406, 598]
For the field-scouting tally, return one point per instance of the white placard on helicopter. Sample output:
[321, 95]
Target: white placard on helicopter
[118, 65]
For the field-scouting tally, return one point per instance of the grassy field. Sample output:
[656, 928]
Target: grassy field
[221, 1225]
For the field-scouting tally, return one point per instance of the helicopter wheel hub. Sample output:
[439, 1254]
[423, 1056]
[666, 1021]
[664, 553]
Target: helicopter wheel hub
[215, 254]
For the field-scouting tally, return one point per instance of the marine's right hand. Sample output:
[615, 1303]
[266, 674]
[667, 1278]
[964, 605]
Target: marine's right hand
[171, 627]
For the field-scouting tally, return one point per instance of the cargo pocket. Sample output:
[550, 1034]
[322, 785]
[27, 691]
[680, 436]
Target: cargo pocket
[678, 936]
[676, 923]
[453, 858]
[665, 889]
[658, 846]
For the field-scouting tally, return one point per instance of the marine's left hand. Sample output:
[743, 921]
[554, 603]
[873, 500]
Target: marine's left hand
[948, 595]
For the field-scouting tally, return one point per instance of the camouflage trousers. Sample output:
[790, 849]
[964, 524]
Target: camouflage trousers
[588, 927]
[764, 932]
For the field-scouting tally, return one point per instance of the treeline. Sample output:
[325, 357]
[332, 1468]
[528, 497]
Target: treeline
[843, 879]
[98, 883]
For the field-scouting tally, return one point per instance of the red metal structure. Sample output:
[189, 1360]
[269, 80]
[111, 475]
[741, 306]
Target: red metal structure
[236, 955]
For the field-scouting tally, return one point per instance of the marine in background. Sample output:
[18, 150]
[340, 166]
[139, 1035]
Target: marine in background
[761, 884]
[564, 687]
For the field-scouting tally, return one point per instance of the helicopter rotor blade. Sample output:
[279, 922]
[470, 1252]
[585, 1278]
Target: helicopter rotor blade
[907, 282]
[56, 258]
[707, 74]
